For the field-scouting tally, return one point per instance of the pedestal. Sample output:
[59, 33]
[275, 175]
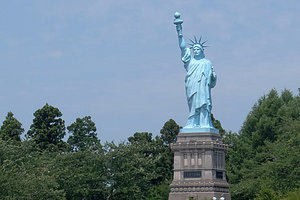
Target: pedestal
[199, 167]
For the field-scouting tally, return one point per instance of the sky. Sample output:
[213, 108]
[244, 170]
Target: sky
[118, 61]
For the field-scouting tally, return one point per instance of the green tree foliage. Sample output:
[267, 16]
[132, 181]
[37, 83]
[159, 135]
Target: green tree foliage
[293, 195]
[267, 194]
[263, 159]
[84, 134]
[142, 167]
[131, 170]
[217, 125]
[82, 175]
[160, 192]
[169, 132]
[262, 121]
[138, 169]
[11, 128]
[164, 164]
[48, 128]
[168, 135]
[140, 138]
[26, 173]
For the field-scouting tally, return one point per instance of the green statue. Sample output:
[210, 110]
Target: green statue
[200, 78]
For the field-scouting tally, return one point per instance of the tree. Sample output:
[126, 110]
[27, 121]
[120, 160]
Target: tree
[169, 132]
[140, 168]
[11, 128]
[143, 137]
[48, 128]
[217, 125]
[81, 175]
[131, 169]
[84, 134]
[262, 161]
[262, 121]
[26, 173]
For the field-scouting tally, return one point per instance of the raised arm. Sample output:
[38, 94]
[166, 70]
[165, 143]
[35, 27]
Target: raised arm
[181, 41]
[178, 21]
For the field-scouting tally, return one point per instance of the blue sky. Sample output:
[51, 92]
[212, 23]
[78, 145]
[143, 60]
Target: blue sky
[119, 61]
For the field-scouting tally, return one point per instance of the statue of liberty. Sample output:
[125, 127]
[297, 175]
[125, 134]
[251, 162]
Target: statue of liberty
[200, 78]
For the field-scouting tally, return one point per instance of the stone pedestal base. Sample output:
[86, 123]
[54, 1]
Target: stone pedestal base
[197, 196]
[199, 167]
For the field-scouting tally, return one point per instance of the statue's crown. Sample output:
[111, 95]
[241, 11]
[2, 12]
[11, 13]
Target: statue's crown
[196, 42]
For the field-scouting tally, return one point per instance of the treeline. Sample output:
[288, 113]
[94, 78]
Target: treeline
[262, 160]
[43, 166]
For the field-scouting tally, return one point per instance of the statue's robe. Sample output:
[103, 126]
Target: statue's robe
[199, 80]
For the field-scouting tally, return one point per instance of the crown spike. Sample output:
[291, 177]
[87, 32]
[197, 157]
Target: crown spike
[195, 40]
[192, 42]
[198, 42]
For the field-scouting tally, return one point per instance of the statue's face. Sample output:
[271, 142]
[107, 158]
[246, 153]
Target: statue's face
[197, 51]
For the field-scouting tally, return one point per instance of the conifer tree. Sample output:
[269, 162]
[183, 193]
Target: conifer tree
[11, 128]
[84, 135]
[48, 128]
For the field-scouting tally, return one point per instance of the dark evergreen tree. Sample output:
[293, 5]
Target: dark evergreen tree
[169, 132]
[84, 135]
[11, 128]
[48, 128]
[143, 137]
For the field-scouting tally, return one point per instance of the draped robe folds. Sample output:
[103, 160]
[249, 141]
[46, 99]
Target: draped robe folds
[200, 78]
